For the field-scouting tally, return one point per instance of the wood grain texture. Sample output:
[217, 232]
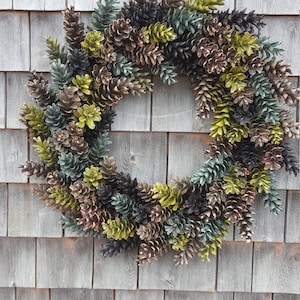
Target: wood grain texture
[39, 5]
[293, 217]
[286, 30]
[32, 294]
[173, 108]
[142, 155]
[13, 154]
[7, 293]
[286, 297]
[276, 268]
[138, 295]
[133, 114]
[163, 275]
[3, 210]
[64, 263]
[17, 256]
[16, 96]
[252, 296]
[235, 267]
[177, 295]
[270, 7]
[87, 5]
[2, 99]
[186, 153]
[264, 222]
[80, 294]
[15, 53]
[119, 272]
[27, 216]
[40, 22]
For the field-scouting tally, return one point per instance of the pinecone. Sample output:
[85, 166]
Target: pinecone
[149, 231]
[289, 127]
[135, 40]
[245, 223]
[219, 148]
[33, 168]
[215, 194]
[215, 62]
[149, 250]
[203, 46]
[37, 88]
[114, 247]
[254, 62]
[74, 30]
[273, 158]
[101, 75]
[104, 194]
[61, 140]
[108, 169]
[249, 195]
[79, 146]
[78, 62]
[284, 92]
[118, 31]
[244, 115]
[158, 214]
[55, 179]
[140, 213]
[195, 202]
[54, 117]
[259, 133]
[190, 250]
[74, 130]
[127, 185]
[277, 69]
[235, 206]
[123, 204]
[148, 55]
[243, 98]
[106, 54]
[68, 99]
[82, 192]
[184, 185]
[145, 193]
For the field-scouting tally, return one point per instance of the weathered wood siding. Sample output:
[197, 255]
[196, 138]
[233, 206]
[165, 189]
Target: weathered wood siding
[152, 139]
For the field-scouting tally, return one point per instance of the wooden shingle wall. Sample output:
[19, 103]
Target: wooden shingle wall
[156, 137]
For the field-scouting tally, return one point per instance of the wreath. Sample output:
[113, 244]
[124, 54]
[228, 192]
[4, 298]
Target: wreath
[235, 78]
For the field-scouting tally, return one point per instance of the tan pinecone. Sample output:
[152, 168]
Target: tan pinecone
[145, 193]
[259, 133]
[135, 40]
[118, 32]
[68, 99]
[106, 55]
[235, 205]
[149, 231]
[79, 145]
[203, 46]
[245, 224]
[61, 140]
[284, 92]
[290, 128]
[254, 62]
[249, 195]
[243, 98]
[73, 28]
[101, 74]
[242, 170]
[215, 194]
[54, 179]
[215, 63]
[37, 88]
[108, 169]
[195, 227]
[74, 130]
[148, 55]
[34, 168]
[173, 3]
[136, 88]
[277, 69]
[184, 185]
[92, 217]
[273, 158]
[191, 249]
[203, 95]
[158, 214]
[82, 192]
[149, 250]
[217, 148]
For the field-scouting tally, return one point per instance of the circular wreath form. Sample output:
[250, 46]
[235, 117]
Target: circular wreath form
[235, 78]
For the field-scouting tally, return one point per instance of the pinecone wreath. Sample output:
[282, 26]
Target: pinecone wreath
[235, 77]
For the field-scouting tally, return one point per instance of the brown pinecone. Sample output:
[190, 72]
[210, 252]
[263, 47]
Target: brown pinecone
[245, 223]
[243, 98]
[106, 55]
[184, 185]
[82, 192]
[273, 158]
[33, 168]
[149, 250]
[219, 148]
[158, 214]
[203, 46]
[203, 94]
[68, 99]
[215, 62]
[148, 55]
[254, 62]
[173, 3]
[277, 69]
[136, 39]
[149, 231]
[37, 88]
[61, 140]
[259, 133]
[215, 194]
[79, 145]
[136, 88]
[74, 130]
[118, 32]
[55, 179]
[108, 169]
[91, 217]
[290, 128]
[145, 193]
[284, 92]
[182, 257]
[101, 74]
[235, 206]
[73, 28]
[249, 195]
